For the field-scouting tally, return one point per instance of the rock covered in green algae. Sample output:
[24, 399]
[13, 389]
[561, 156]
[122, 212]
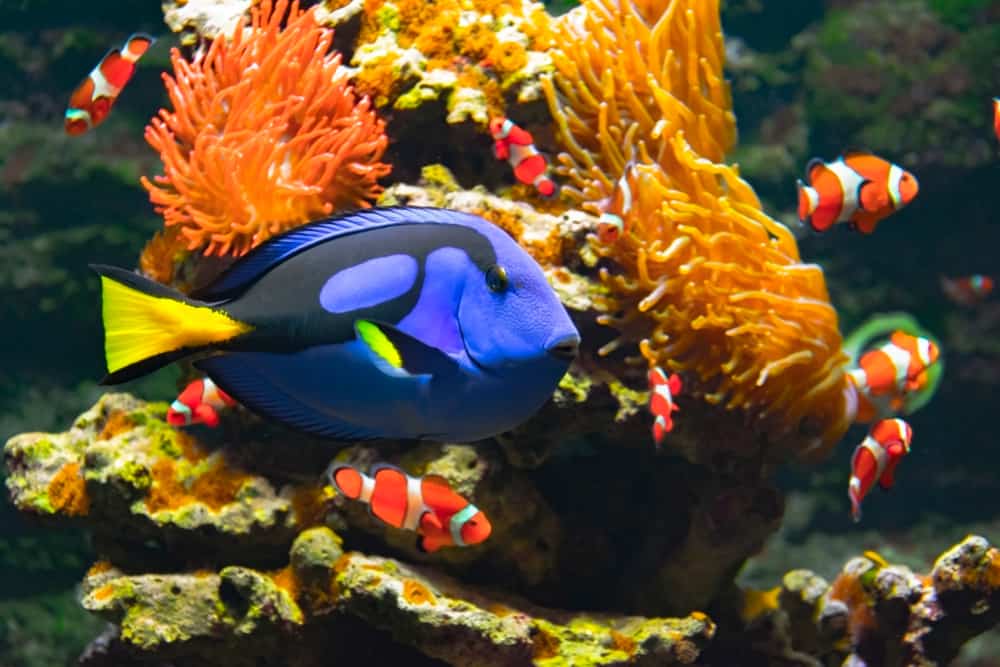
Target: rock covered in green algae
[875, 613]
[447, 620]
[197, 615]
[131, 477]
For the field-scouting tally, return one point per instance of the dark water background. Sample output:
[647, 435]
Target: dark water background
[910, 79]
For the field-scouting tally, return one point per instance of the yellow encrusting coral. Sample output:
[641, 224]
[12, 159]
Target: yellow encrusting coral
[474, 55]
[68, 491]
[703, 281]
[266, 134]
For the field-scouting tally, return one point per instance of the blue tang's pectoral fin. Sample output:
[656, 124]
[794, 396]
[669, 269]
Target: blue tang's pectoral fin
[257, 393]
[399, 354]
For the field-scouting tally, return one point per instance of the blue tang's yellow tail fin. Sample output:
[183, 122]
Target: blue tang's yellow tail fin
[148, 325]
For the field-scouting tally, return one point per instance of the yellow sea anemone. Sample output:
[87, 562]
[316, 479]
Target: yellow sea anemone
[703, 281]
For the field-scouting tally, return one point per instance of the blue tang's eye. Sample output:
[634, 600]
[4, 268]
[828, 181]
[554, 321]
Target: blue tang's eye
[496, 278]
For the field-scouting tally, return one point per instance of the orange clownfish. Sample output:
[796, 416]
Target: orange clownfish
[661, 401]
[858, 188]
[516, 145]
[886, 375]
[611, 225]
[199, 403]
[967, 291]
[876, 458]
[427, 505]
[91, 102]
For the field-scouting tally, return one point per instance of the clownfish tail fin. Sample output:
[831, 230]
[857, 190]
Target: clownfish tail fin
[346, 479]
[148, 325]
[808, 200]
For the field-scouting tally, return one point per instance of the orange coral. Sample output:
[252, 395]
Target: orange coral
[215, 487]
[849, 589]
[706, 283]
[265, 135]
[117, 422]
[415, 592]
[68, 491]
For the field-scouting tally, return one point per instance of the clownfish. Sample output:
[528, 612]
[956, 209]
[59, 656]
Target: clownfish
[516, 145]
[611, 225]
[199, 403]
[92, 100]
[661, 401]
[858, 188]
[876, 458]
[427, 505]
[967, 291]
[886, 375]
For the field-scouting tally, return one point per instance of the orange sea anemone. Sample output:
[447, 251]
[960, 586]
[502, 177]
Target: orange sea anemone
[703, 281]
[265, 135]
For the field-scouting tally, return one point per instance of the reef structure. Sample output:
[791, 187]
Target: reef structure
[209, 543]
[232, 567]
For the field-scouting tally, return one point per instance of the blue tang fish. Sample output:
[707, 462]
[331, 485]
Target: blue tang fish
[383, 323]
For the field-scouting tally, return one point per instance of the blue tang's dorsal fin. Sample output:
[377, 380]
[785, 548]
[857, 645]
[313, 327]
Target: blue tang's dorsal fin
[280, 248]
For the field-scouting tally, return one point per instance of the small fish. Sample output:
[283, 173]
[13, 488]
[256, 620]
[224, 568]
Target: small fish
[199, 403]
[661, 401]
[859, 189]
[996, 116]
[614, 210]
[427, 505]
[514, 144]
[967, 291]
[876, 458]
[92, 100]
[886, 375]
[405, 323]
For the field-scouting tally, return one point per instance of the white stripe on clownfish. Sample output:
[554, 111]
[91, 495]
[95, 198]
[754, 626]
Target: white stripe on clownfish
[458, 519]
[878, 451]
[924, 350]
[505, 129]
[900, 359]
[860, 378]
[415, 506]
[850, 185]
[519, 153]
[102, 87]
[183, 409]
[626, 190]
[811, 195]
[902, 432]
[895, 177]
[367, 488]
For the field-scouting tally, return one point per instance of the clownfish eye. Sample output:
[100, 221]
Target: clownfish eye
[496, 278]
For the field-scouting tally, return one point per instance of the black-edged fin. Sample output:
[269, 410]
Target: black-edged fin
[281, 248]
[859, 195]
[813, 164]
[145, 367]
[148, 325]
[237, 378]
[139, 282]
[402, 352]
